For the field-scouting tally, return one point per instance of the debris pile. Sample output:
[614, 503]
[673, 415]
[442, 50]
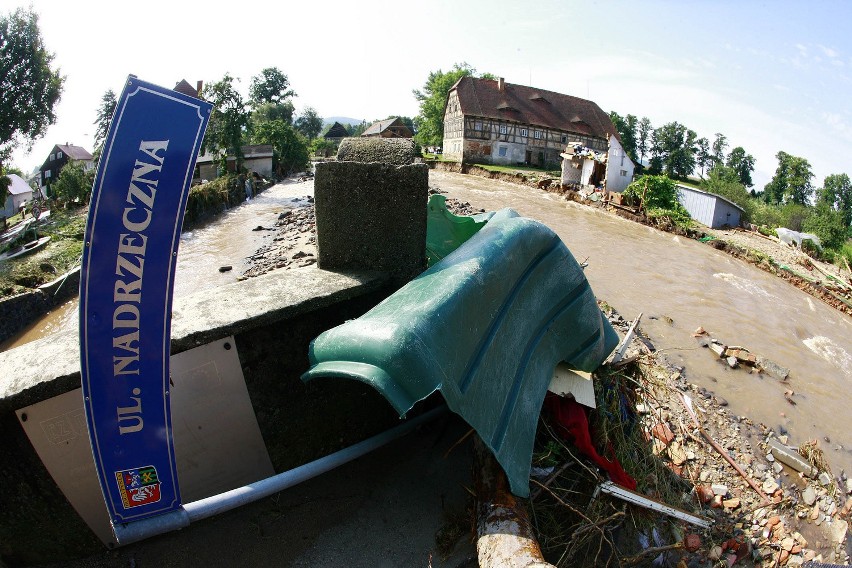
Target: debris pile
[766, 504]
[293, 243]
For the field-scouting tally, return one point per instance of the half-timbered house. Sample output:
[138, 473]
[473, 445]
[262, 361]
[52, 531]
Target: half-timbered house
[494, 122]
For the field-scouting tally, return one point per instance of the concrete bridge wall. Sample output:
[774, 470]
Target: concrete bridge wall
[272, 318]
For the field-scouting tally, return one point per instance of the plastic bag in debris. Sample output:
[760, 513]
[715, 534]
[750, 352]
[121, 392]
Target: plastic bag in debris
[794, 238]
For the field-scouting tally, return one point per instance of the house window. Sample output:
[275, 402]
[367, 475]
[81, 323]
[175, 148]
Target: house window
[59, 155]
[502, 151]
[537, 134]
[47, 174]
[503, 129]
[52, 157]
[477, 126]
[564, 139]
[623, 173]
[524, 132]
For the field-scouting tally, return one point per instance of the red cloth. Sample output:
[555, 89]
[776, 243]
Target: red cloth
[570, 415]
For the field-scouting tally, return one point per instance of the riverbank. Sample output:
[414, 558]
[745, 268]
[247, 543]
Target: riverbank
[28, 284]
[664, 449]
[821, 280]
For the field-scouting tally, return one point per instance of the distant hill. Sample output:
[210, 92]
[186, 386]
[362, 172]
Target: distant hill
[344, 120]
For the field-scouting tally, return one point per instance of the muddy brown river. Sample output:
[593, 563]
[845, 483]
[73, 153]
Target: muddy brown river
[680, 285]
[677, 283]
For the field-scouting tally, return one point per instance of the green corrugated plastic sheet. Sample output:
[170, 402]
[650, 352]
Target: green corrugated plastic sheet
[486, 326]
[445, 232]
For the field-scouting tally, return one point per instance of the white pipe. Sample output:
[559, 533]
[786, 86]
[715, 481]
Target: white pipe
[203, 508]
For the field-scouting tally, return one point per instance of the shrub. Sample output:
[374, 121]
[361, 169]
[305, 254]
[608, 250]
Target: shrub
[828, 225]
[659, 192]
[74, 185]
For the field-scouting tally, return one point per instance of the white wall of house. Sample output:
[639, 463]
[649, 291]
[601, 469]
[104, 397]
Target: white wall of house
[619, 167]
[506, 153]
[570, 172]
[588, 170]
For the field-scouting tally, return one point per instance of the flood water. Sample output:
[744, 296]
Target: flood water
[226, 241]
[683, 285]
[678, 284]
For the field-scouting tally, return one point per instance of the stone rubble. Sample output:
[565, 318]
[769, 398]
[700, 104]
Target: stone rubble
[746, 531]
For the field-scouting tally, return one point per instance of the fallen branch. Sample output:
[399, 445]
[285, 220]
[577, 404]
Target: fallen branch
[590, 523]
[723, 453]
[830, 275]
[650, 551]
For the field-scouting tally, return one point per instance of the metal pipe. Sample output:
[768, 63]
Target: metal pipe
[215, 504]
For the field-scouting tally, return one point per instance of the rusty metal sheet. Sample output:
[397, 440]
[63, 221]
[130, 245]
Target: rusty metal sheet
[486, 326]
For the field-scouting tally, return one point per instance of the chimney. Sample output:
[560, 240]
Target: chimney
[198, 88]
[501, 84]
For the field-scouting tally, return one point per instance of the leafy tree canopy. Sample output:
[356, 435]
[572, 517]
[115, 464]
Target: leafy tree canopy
[655, 192]
[626, 127]
[836, 192]
[103, 119]
[270, 86]
[74, 184]
[309, 123]
[828, 224]
[29, 86]
[357, 129]
[725, 181]
[791, 182]
[228, 120]
[643, 139]
[742, 164]
[433, 98]
[719, 146]
[703, 157]
[290, 148]
[674, 147]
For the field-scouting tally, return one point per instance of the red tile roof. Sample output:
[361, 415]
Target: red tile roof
[528, 105]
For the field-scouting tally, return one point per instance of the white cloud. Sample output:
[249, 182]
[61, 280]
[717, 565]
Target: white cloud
[828, 51]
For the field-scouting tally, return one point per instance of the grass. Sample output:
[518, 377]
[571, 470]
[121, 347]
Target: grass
[62, 253]
[519, 169]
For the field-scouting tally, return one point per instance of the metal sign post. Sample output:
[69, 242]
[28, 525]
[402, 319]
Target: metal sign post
[131, 243]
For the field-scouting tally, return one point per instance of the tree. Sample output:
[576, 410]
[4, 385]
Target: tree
[433, 98]
[791, 182]
[703, 157]
[29, 87]
[626, 128]
[270, 86]
[74, 184]
[228, 121]
[719, 146]
[357, 129]
[836, 192]
[656, 192]
[643, 137]
[725, 181]
[828, 224]
[272, 111]
[742, 164]
[289, 147]
[309, 123]
[103, 119]
[674, 147]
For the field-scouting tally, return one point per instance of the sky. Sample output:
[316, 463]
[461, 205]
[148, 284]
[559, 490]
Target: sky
[770, 76]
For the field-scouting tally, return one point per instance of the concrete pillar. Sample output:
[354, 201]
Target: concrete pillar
[372, 216]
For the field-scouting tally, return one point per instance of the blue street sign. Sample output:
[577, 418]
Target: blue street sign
[131, 244]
